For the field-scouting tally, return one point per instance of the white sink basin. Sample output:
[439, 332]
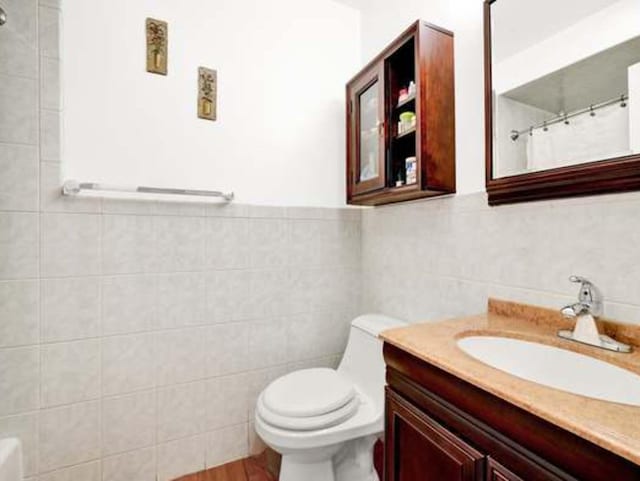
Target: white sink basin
[556, 368]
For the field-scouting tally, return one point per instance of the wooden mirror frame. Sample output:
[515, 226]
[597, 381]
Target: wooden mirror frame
[620, 174]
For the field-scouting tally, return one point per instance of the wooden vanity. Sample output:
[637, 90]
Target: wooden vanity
[450, 417]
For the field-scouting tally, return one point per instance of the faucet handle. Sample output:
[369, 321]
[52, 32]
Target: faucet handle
[580, 280]
[588, 295]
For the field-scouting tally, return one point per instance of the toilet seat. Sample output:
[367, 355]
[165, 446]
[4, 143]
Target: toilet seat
[309, 392]
[308, 399]
[310, 423]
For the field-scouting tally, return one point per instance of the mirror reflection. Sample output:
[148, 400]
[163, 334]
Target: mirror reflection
[565, 77]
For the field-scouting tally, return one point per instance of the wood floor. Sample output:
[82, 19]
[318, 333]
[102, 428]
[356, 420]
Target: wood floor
[264, 467]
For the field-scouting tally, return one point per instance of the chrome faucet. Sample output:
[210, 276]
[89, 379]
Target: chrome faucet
[588, 299]
[586, 331]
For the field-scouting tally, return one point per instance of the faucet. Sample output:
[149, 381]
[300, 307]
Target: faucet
[586, 331]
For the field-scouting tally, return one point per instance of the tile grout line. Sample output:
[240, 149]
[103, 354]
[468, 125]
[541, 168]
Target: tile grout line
[39, 243]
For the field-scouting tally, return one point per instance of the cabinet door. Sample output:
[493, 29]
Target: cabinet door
[497, 472]
[367, 132]
[419, 449]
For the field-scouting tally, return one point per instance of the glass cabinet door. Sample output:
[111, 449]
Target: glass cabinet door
[369, 134]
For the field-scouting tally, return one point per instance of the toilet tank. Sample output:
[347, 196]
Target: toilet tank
[362, 361]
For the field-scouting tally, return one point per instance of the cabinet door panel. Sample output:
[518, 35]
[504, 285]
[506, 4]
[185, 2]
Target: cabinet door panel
[497, 472]
[368, 132]
[419, 449]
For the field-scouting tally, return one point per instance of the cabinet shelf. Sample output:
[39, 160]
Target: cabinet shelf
[405, 102]
[406, 133]
[423, 55]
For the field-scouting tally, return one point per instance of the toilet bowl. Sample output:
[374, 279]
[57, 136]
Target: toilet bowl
[325, 422]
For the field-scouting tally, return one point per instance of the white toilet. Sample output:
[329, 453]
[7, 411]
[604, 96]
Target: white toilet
[325, 422]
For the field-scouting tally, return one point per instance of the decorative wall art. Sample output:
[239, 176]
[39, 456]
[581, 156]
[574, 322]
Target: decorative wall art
[157, 46]
[207, 91]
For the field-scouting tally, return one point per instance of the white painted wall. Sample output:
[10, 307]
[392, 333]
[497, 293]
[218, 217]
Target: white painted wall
[382, 21]
[544, 18]
[593, 34]
[511, 157]
[634, 108]
[282, 67]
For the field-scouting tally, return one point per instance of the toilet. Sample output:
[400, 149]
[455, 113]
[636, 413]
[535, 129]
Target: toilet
[325, 422]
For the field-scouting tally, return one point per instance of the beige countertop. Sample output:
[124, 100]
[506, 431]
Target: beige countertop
[615, 427]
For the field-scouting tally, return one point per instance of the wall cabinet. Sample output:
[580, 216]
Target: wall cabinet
[401, 121]
[440, 428]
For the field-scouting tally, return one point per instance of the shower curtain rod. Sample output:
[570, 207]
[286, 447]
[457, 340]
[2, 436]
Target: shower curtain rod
[73, 187]
[622, 99]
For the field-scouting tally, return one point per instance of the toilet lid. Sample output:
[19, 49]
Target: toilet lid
[310, 423]
[307, 393]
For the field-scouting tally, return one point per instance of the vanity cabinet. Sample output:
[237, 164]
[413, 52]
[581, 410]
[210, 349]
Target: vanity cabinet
[391, 160]
[497, 472]
[424, 450]
[441, 428]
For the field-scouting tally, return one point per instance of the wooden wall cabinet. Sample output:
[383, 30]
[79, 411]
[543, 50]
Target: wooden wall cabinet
[377, 150]
[440, 428]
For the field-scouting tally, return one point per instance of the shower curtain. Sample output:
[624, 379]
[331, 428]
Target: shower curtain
[586, 138]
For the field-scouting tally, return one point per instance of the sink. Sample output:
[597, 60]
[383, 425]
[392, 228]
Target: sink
[556, 368]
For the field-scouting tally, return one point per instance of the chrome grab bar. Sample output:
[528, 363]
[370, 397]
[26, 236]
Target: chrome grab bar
[73, 187]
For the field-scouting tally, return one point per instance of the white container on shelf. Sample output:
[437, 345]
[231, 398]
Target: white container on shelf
[411, 170]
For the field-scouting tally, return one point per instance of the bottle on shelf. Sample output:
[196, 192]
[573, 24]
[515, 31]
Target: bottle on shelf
[411, 172]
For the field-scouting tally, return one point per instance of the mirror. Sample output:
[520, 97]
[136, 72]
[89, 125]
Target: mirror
[562, 79]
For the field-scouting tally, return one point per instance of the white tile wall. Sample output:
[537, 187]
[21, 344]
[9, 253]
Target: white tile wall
[126, 327]
[24, 427]
[443, 258]
[227, 401]
[181, 456]
[180, 355]
[128, 304]
[19, 379]
[19, 180]
[128, 422]
[128, 363]
[127, 244]
[19, 40]
[131, 466]
[18, 245]
[226, 444]
[69, 435]
[70, 372]
[70, 308]
[70, 245]
[19, 115]
[82, 472]
[181, 411]
[181, 300]
[135, 336]
[19, 311]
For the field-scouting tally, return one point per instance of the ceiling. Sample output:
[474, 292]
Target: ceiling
[359, 4]
[519, 24]
[593, 80]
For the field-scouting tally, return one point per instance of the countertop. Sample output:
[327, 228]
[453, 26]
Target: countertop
[615, 427]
